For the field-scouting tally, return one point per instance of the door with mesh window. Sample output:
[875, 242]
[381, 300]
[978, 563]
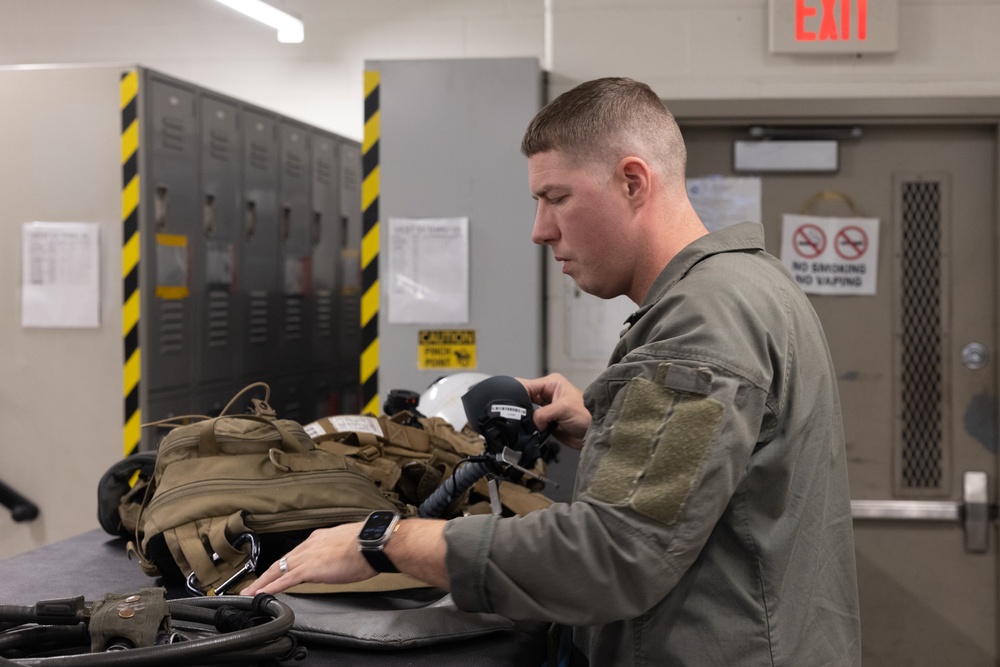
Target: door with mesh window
[916, 364]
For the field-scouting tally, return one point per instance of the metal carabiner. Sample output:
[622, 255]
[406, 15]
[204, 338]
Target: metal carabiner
[248, 568]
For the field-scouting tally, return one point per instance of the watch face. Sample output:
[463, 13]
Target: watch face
[376, 525]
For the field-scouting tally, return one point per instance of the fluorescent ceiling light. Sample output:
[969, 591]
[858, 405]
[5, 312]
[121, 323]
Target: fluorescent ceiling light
[290, 29]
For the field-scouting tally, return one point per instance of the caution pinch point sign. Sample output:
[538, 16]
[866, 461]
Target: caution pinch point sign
[446, 349]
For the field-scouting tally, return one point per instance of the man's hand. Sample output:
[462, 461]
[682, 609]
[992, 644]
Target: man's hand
[328, 556]
[560, 402]
[331, 556]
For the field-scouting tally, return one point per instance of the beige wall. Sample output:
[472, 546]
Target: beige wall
[60, 389]
[687, 49]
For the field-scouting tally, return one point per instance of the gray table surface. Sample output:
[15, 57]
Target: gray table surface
[94, 564]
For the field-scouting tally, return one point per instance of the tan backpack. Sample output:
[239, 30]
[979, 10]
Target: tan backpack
[229, 495]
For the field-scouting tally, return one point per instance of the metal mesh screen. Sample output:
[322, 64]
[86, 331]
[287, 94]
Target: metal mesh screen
[922, 375]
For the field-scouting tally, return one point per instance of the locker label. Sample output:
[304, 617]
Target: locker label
[172, 267]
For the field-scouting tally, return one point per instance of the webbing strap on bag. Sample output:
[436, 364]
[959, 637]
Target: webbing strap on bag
[412, 456]
[232, 560]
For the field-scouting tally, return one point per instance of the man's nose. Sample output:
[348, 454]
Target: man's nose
[543, 232]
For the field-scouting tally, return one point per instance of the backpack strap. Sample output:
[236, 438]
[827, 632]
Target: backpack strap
[208, 571]
[518, 499]
[208, 444]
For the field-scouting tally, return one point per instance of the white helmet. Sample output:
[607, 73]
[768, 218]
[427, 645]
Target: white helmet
[443, 398]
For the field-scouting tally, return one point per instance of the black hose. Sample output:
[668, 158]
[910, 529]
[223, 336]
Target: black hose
[191, 652]
[281, 649]
[33, 636]
[19, 614]
[461, 480]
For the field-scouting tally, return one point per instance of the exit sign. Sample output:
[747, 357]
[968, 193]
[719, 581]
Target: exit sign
[834, 26]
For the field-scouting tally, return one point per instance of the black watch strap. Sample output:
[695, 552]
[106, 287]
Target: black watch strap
[378, 560]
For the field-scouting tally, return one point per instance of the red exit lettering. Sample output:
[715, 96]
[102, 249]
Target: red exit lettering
[833, 25]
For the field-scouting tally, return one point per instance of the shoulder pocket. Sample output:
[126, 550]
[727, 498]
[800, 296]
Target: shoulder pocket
[658, 442]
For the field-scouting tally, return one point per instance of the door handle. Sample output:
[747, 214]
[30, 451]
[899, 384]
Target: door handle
[975, 511]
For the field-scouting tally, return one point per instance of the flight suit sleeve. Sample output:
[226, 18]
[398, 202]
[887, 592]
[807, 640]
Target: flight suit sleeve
[656, 474]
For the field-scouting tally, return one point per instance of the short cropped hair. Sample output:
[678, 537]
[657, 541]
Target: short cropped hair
[605, 120]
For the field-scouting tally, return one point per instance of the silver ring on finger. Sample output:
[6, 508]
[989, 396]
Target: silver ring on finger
[283, 565]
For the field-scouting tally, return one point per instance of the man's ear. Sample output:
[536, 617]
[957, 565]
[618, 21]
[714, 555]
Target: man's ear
[638, 178]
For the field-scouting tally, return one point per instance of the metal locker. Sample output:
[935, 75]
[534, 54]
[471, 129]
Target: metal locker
[349, 306]
[260, 275]
[165, 405]
[170, 182]
[325, 232]
[296, 247]
[215, 269]
[292, 397]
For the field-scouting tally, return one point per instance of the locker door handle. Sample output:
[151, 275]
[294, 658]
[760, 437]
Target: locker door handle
[250, 218]
[317, 227]
[975, 512]
[209, 215]
[161, 197]
[286, 222]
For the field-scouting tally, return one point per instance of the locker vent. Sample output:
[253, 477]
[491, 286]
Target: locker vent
[293, 317]
[324, 172]
[172, 133]
[171, 327]
[218, 145]
[324, 314]
[218, 318]
[922, 373]
[258, 318]
[350, 311]
[294, 166]
[351, 178]
[258, 155]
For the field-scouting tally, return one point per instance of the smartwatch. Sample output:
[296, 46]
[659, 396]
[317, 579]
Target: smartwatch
[376, 531]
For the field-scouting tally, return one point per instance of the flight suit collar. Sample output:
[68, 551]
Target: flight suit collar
[742, 237]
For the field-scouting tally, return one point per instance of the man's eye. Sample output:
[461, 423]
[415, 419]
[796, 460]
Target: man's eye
[557, 200]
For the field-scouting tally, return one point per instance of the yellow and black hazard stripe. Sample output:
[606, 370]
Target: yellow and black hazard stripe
[130, 258]
[370, 246]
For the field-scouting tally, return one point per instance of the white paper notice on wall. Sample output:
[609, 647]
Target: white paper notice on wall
[593, 325]
[831, 255]
[428, 270]
[60, 275]
[722, 201]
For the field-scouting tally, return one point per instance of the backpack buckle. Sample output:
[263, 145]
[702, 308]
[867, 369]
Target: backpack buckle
[248, 568]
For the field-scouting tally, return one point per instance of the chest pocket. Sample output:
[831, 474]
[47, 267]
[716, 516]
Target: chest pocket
[658, 442]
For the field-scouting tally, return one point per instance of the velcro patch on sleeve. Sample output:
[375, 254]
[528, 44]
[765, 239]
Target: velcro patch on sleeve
[658, 443]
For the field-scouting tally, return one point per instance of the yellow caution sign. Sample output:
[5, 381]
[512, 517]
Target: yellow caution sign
[446, 349]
